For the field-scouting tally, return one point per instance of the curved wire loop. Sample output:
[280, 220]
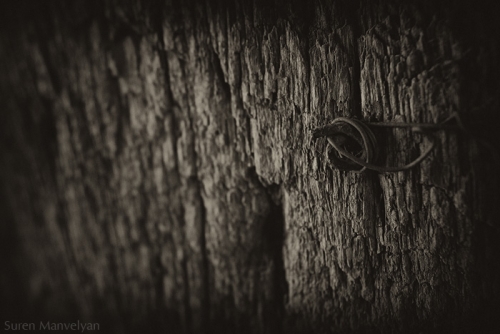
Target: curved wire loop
[341, 136]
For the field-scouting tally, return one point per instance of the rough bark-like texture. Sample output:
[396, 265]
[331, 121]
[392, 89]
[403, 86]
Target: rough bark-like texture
[158, 169]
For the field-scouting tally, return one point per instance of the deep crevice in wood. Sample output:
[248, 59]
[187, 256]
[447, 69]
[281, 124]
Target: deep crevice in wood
[275, 234]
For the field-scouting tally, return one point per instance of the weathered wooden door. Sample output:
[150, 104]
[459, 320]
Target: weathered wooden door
[159, 174]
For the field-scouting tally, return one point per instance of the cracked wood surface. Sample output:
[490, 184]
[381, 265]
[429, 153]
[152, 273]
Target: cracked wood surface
[159, 170]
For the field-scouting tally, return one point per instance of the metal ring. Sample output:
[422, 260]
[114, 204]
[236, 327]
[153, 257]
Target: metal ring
[370, 148]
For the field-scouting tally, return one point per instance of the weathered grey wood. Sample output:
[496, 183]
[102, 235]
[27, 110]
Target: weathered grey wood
[160, 174]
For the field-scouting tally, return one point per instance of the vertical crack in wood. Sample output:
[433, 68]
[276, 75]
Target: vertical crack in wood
[205, 298]
[187, 297]
[273, 236]
[275, 233]
[379, 199]
[353, 20]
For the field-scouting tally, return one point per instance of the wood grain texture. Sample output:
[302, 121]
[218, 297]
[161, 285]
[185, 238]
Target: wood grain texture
[160, 172]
